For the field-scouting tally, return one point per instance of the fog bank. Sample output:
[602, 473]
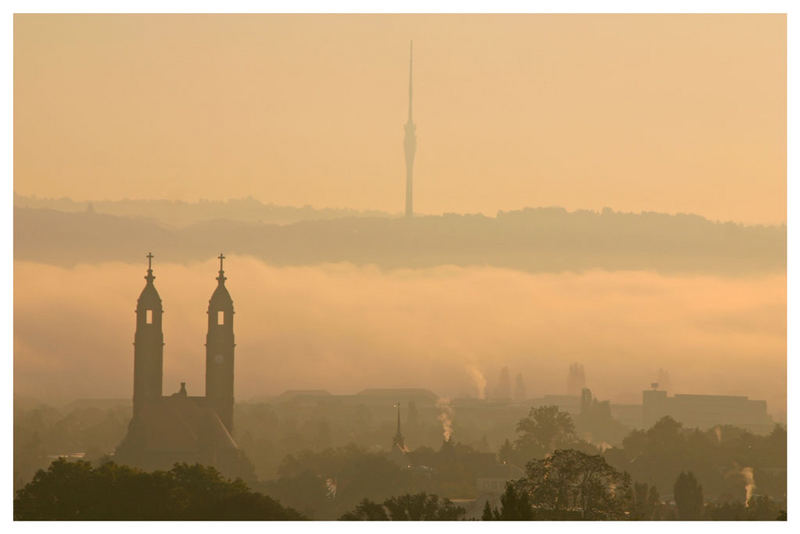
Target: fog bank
[343, 328]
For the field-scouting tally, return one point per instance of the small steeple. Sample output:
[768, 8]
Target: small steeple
[399, 441]
[221, 278]
[149, 277]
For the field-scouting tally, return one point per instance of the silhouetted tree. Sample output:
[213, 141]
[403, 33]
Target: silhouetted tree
[514, 505]
[659, 454]
[688, 497]
[409, 507]
[572, 481]
[488, 513]
[366, 511]
[543, 430]
[646, 503]
[76, 491]
[506, 452]
[762, 508]
[758, 508]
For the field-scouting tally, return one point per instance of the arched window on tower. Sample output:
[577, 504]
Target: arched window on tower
[148, 316]
[220, 317]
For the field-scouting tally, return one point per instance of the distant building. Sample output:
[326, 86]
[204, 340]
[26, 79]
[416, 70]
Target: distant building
[291, 394]
[706, 411]
[493, 482]
[179, 428]
[519, 389]
[566, 403]
[576, 379]
[381, 396]
[502, 391]
[629, 415]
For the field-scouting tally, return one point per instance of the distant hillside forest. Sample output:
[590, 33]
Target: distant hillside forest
[533, 239]
[180, 213]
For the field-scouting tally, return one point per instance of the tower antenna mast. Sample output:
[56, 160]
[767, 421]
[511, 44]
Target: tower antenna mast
[410, 141]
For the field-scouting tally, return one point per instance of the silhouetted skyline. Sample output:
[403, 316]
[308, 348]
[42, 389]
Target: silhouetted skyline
[575, 311]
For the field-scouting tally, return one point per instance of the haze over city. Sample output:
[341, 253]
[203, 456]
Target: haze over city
[530, 194]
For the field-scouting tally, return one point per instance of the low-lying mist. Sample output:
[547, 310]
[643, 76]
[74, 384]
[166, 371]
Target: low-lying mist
[344, 328]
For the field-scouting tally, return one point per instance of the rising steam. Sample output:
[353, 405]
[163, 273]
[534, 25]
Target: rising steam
[479, 379]
[749, 483]
[330, 483]
[446, 417]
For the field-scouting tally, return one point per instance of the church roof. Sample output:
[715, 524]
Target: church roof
[178, 426]
[149, 296]
[221, 295]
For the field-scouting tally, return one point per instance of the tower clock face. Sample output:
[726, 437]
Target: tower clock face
[218, 358]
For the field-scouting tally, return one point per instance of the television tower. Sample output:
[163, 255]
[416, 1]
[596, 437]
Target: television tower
[410, 142]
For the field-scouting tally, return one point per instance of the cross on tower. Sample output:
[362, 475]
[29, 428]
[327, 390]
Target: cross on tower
[149, 260]
[221, 257]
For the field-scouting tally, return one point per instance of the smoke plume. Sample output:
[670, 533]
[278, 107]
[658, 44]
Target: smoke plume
[330, 484]
[446, 417]
[749, 483]
[479, 380]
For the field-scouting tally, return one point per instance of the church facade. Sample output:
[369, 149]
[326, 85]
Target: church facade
[165, 430]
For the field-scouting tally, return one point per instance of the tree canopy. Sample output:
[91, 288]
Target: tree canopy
[571, 483]
[408, 507]
[543, 430]
[77, 491]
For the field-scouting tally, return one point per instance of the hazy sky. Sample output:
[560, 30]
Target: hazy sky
[678, 113]
[636, 112]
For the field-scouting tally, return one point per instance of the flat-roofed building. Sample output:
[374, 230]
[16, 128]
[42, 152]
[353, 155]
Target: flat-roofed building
[706, 411]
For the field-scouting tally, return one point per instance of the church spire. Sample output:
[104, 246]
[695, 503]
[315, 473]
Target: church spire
[149, 277]
[221, 278]
[399, 441]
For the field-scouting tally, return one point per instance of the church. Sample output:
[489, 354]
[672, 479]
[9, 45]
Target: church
[178, 427]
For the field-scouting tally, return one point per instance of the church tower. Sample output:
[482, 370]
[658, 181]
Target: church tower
[219, 351]
[410, 141]
[148, 344]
